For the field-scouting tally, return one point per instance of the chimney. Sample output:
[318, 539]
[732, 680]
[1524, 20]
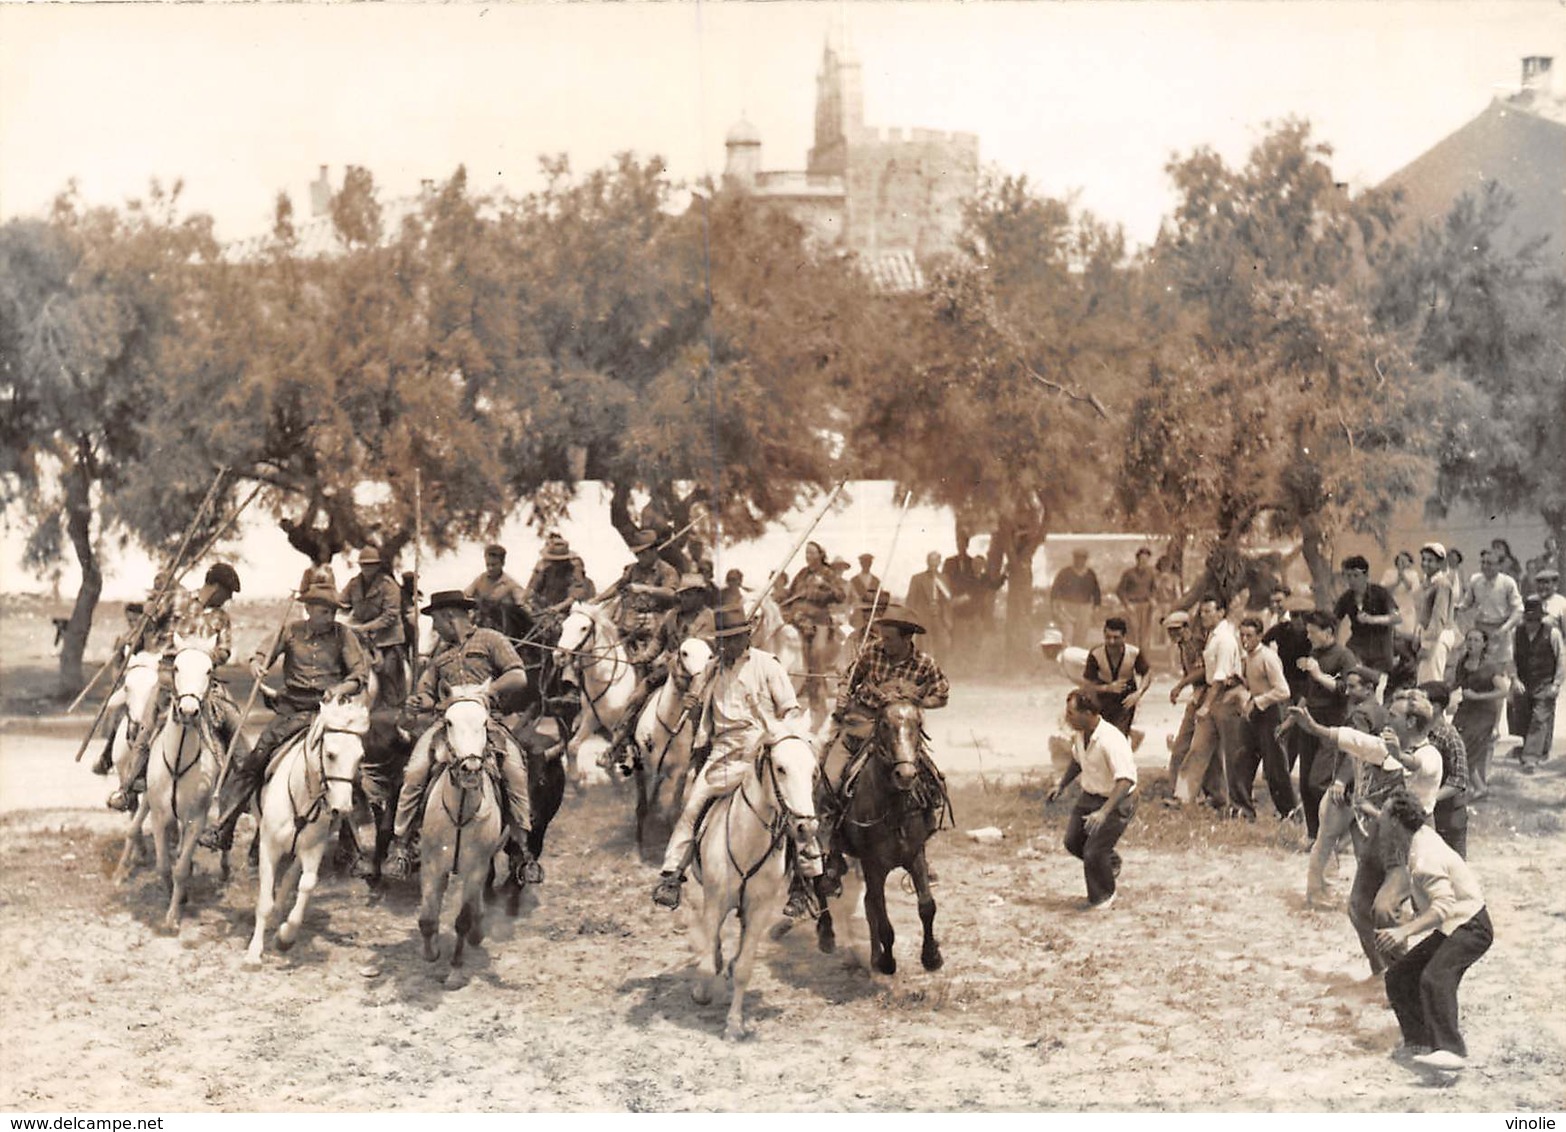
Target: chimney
[1536, 73]
[321, 195]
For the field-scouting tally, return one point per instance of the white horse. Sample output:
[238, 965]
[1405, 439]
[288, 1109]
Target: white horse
[462, 828]
[138, 695]
[742, 863]
[592, 657]
[309, 789]
[182, 770]
[665, 731]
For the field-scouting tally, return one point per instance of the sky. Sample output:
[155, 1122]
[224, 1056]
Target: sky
[244, 101]
[1089, 98]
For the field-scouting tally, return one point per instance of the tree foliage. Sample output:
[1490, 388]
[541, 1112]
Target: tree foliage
[1489, 320]
[93, 303]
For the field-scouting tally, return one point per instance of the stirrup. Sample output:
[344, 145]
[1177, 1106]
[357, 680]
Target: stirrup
[799, 904]
[667, 893]
[398, 864]
[125, 801]
[216, 838]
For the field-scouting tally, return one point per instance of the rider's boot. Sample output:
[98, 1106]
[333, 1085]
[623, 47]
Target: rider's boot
[105, 761]
[399, 858]
[667, 892]
[127, 798]
[525, 868]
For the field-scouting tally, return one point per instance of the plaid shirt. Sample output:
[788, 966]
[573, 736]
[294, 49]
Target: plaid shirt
[1454, 761]
[874, 670]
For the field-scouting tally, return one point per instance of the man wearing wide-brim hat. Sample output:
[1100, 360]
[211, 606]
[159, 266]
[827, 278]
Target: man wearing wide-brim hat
[373, 600]
[558, 579]
[193, 615]
[464, 655]
[644, 591]
[890, 667]
[747, 690]
[321, 657]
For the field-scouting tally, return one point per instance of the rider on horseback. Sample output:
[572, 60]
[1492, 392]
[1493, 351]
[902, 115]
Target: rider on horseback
[496, 597]
[198, 615]
[374, 603]
[321, 657]
[557, 581]
[889, 668]
[467, 656]
[749, 689]
[655, 657]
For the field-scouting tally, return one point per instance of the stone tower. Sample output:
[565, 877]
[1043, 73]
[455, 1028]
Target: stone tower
[743, 145]
[840, 108]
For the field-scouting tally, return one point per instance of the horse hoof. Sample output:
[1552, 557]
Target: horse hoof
[826, 942]
[734, 1033]
[701, 994]
[251, 961]
[780, 929]
[886, 965]
[455, 980]
[431, 953]
[932, 960]
[285, 944]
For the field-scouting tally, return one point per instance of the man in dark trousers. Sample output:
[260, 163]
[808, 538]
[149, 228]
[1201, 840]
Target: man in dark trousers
[1101, 757]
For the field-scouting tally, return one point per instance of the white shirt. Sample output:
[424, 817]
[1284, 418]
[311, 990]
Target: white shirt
[1442, 880]
[1264, 678]
[1221, 654]
[745, 696]
[1105, 757]
[1555, 611]
[1423, 781]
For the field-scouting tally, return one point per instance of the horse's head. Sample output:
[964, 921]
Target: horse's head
[467, 772]
[576, 637]
[899, 733]
[141, 690]
[693, 657]
[192, 672]
[338, 732]
[791, 767]
[467, 720]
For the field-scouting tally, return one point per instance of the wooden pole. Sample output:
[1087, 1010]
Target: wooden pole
[799, 542]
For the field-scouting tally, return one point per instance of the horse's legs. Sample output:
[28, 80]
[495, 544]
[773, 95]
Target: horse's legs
[127, 863]
[160, 849]
[930, 952]
[881, 935]
[709, 958]
[308, 862]
[188, 832]
[265, 898]
[433, 876]
[745, 961]
[642, 790]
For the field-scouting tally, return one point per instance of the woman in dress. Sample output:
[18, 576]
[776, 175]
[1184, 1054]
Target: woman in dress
[1483, 686]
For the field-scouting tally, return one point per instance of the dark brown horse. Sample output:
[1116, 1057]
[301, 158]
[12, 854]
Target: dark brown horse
[896, 803]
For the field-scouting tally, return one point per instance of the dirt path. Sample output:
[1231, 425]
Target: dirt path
[1206, 987]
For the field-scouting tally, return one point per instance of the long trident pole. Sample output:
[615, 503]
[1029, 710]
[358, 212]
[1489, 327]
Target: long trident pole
[886, 572]
[799, 542]
[418, 573]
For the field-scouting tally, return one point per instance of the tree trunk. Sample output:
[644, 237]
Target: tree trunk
[1313, 545]
[78, 512]
[1019, 544]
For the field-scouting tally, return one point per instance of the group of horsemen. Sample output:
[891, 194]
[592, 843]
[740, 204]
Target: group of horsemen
[744, 698]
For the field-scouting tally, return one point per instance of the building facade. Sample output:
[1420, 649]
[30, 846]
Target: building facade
[891, 197]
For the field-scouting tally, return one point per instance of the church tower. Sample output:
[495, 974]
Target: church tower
[840, 107]
[743, 145]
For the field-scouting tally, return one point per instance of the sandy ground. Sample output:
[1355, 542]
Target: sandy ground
[1207, 986]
